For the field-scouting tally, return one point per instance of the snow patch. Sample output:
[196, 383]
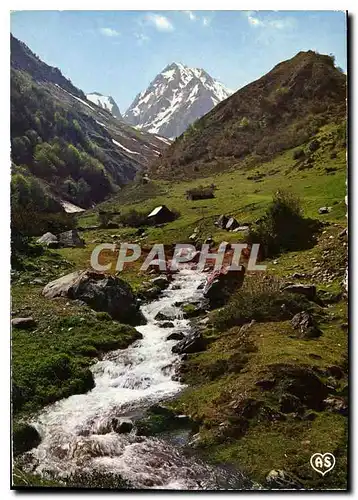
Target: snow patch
[70, 208]
[77, 98]
[123, 147]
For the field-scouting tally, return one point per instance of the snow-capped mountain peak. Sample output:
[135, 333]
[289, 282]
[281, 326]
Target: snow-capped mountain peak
[176, 97]
[105, 102]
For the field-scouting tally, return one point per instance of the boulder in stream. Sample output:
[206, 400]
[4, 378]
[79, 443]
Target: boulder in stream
[122, 425]
[167, 324]
[161, 282]
[25, 437]
[176, 336]
[167, 313]
[194, 342]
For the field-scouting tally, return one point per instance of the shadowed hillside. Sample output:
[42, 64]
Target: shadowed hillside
[64, 146]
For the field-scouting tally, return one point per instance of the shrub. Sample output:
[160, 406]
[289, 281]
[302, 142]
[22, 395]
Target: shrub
[133, 218]
[283, 227]
[27, 221]
[261, 299]
[104, 218]
[298, 153]
[201, 193]
[244, 122]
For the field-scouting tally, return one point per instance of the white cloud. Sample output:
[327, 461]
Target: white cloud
[206, 21]
[191, 15]
[141, 38]
[279, 23]
[161, 23]
[253, 20]
[109, 32]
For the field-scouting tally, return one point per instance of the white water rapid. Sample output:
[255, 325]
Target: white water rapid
[74, 439]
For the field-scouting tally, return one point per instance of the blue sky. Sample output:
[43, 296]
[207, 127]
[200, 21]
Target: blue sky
[119, 52]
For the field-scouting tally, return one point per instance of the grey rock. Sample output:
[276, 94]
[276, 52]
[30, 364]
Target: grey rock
[194, 342]
[324, 210]
[193, 237]
[232, 224]
[306, 325]
[150, 293]
[308, 290]
[37, 281]
[221, 284]
[167, 313]
[167, 324]
[100, 291]
[47, 239]
[161, 281]
[122, 425]
[222, 221]
[280, 479]
[175, 336]
[71, 239]
[24, 323]
[336, 405]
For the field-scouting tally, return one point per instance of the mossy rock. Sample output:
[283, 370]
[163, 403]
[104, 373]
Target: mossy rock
[161, 419]
[25, 437]
[191, 311]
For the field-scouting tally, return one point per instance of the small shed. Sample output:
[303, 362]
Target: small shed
[160, 215]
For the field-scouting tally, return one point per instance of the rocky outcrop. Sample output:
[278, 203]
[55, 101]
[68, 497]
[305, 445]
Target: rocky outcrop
[301, 382]
[66, 239]
[220, 284]
[336, 405]
[100, 291]
[306, 325]
[70, 239]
